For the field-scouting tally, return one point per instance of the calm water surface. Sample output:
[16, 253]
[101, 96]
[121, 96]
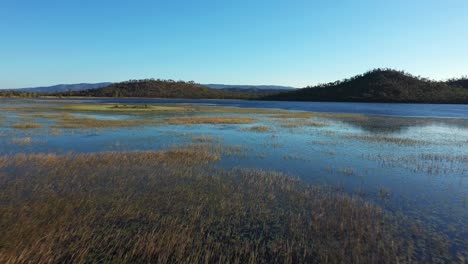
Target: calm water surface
[409, 110]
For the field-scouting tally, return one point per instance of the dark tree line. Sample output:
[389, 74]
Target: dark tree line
[18, 94]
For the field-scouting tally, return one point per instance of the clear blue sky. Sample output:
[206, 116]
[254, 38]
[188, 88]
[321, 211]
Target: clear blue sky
[289, 42]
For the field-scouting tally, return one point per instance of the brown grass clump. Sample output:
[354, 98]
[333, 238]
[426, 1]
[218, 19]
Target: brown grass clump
[26, 125]
[174, 207]
[215, 120]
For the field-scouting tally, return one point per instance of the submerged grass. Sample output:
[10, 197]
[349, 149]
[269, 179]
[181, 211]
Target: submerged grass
[429, 163]
[215, 120]
[387, 139]
[173, 206]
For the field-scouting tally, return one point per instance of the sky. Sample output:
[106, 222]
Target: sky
[288, 42]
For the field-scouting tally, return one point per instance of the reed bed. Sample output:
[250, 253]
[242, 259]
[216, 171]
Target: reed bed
[174, 207]
[214, 120]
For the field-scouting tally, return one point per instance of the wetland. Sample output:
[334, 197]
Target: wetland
[135, 180]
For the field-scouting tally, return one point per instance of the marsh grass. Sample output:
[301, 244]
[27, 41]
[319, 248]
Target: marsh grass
[214, 120]
[127, 108]
[348, 171]
[298, 119]
[205, 139]
[388, 139]
[46, 115]
[26, 125]
[429, 163]
[21, 141]
[173, 206]
[259, 129]
[235, 110]
[292, 123]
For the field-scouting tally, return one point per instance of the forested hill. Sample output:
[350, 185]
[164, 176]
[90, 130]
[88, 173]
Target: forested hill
[158, 89]
[380, 85]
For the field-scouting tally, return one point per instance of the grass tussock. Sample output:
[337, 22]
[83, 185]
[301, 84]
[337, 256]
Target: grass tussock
[172, 206]
[27, 125]
[70, 121]
[214, 120]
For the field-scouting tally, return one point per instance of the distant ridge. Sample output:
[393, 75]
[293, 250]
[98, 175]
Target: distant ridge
[158, 89]
[63, 87]
[259, 87]
[381, 85]
[251, 89]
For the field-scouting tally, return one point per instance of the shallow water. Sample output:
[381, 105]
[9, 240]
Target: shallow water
[386, 109]
[415, 166]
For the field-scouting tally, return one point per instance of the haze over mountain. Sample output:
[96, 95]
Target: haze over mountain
[254, 89]
[63, 87]
[381, 85]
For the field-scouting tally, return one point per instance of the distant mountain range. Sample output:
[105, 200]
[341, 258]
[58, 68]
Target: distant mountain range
[255, 89]
[379, 85]
[63, 87]
[382, 85]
